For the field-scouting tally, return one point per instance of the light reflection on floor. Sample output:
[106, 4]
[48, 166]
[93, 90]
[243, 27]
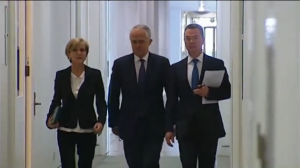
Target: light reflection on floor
[169, 158]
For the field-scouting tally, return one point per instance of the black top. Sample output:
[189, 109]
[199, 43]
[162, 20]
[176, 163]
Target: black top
[80, 109]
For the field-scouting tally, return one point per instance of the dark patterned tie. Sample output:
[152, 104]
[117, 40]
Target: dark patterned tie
[142, 73]
[195, 75]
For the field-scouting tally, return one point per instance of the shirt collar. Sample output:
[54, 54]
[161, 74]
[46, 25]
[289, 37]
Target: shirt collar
[136, 58]
[81, 76]
[200, 58]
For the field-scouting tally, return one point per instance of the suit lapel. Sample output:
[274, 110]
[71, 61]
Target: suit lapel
[204, 67]
[150, 68]
[132, 71]
[87, 75]
[185, 68]
[67, 75]
[184, 71]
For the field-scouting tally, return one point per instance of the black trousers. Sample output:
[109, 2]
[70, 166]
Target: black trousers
[197, 148]
[85, 142]
[143, 151]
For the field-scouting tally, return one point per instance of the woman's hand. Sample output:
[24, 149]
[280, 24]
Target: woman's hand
[51, 125]
[98, 128]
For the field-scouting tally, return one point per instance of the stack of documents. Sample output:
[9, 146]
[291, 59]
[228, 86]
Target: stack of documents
[212, 79]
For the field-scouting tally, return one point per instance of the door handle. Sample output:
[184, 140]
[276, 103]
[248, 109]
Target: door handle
[35, 103]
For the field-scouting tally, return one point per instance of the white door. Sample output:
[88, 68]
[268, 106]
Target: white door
[51, 34]
[13, 60]
[3, 84]
[282, 109]
[272, 45]
[224, 41]
[97, 27]
[43, 140]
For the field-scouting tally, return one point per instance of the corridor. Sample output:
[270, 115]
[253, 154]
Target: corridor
[258, 42]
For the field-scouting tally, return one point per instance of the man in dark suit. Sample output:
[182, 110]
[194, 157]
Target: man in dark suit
[139, 121]
[198, 125]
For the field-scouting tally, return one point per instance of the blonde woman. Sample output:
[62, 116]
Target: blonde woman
[74, 91]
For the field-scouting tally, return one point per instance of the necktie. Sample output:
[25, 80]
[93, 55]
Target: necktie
[195, 74]
[142, 73]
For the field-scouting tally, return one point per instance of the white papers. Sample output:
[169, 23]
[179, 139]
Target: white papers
[212, 79]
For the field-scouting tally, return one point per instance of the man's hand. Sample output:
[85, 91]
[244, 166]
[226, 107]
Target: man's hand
[202, 91]
[98, 128]
[170, 138]
[50, 125]
[115, 131]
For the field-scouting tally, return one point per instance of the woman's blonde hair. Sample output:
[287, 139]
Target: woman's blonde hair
[73, 44]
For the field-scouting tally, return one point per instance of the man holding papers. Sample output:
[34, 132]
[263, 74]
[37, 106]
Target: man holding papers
[199, 82]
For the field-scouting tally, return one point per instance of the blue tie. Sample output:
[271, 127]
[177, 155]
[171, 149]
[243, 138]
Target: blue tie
[195, 74]
[142, 73]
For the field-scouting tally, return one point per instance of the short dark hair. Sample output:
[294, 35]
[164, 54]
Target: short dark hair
[195, 26]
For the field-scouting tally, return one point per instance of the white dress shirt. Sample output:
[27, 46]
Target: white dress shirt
[76, 83]
[190, 67]
[137, 64]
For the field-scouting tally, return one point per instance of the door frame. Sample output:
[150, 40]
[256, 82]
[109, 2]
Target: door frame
[236, 24]
[89, 23]
[214, 39]
[16, 83]
[11, 51]
[104, 66]
[4, 88]
[28, 83]
[229, 29]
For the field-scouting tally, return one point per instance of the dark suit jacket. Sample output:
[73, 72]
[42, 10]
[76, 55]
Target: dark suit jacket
[82, 108]
[134, 99]
[185, 107]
